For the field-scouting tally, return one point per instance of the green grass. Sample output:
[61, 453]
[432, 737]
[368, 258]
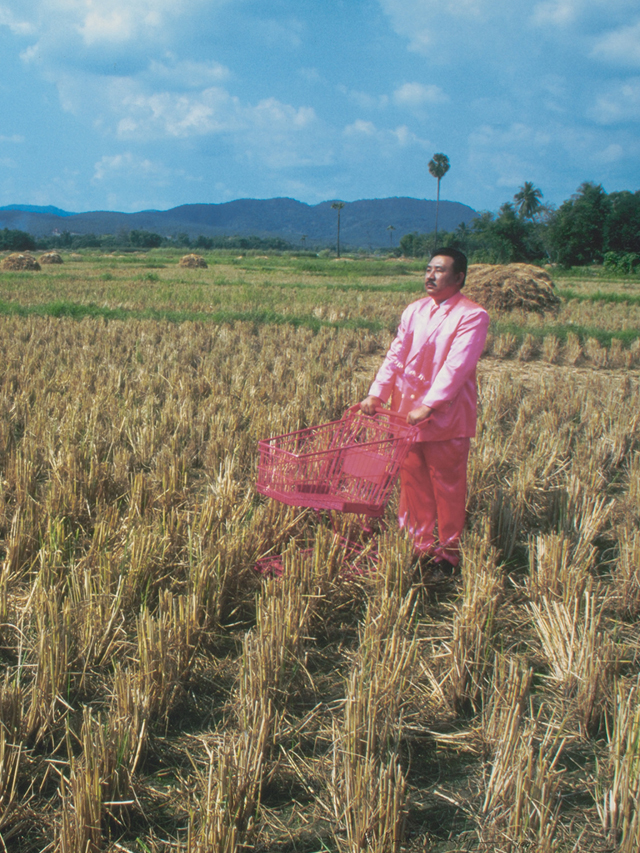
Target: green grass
[262, 316]
[78, 311]
[563, 330]
[311, 292]
[607, 298]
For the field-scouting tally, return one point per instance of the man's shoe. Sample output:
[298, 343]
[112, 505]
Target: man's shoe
[447, 568]
[443, 571]
[422, 567]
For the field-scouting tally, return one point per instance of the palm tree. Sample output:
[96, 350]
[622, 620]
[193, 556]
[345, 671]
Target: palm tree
[438, 166]
[527, 200]
[338, 205]
[391, 229]
[462, 234]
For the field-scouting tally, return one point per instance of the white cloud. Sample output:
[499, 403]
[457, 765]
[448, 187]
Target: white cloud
[360, 128]
[18, 28]
[282, 136]
[447, 29]
[405, 137]
[141, 109]
[385, 140]
[363, 100]
[594, 15]
[434, 27]
[154, 115]
[421, 11]
[517, 133]
[14, 138]
[81, 33]
[127, 165]
[611, 154]
[186, 73]
[619, 103]
[93, 53]
[271, 113]
[117, 25]
[287, 32]
[507, 156]
[311, 75]
[417, 95]
[412, 96]
[621, 46]
[557, 13]
[116, 21]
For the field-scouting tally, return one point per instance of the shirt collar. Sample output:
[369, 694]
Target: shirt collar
[447, 304]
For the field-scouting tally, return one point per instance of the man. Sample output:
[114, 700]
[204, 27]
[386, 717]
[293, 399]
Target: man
[429, 374]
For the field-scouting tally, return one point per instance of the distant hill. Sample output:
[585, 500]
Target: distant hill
[35, 208]
[363, 223]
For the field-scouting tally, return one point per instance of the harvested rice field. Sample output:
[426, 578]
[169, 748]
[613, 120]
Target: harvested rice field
[158, 694]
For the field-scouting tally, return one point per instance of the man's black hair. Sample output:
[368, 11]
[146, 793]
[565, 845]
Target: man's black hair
[459, 259]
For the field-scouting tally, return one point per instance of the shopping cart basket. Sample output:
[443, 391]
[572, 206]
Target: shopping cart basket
[349, 465]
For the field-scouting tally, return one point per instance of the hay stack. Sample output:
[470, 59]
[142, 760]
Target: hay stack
[193, 262]
[19, 261]
[51, 258]
[509, 286]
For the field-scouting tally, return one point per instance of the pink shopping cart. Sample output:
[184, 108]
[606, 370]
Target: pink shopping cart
[348, 466]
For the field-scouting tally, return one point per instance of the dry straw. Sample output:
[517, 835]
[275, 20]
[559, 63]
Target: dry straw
[50, 258]
[19, 261]
[367, 784]
[582, 658]
[470, 652]
[522, 801]
[193, 262]
[618, 801]
[228, 795]
[129, 528]
[511, 286]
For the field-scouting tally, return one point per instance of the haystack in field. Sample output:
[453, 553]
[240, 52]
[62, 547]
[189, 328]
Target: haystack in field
[508, 286]
[19, 261]
[51, 258]
[193, 262]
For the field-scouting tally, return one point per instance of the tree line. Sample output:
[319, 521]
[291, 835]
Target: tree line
[21, 241]
[592, 227]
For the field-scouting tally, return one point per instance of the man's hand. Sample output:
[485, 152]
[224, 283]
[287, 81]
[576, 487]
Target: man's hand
[370, 404]
[417, 415]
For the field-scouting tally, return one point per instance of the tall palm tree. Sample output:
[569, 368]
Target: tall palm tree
[438, 166]
[391, 229]
[338, 205]
[527, 200]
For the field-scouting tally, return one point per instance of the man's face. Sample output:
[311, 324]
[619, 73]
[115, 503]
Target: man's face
[440, 280]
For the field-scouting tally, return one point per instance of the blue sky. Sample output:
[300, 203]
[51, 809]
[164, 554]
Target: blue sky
[136, 104]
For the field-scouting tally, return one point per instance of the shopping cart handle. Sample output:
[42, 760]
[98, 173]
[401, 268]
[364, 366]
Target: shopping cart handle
[356, 408]
[397, 415]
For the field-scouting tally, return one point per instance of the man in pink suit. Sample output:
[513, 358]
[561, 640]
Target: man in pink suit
[429, 374]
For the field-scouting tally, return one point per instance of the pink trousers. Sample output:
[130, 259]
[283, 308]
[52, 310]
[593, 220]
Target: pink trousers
[433, 481]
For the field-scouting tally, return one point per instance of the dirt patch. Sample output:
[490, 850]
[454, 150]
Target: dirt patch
[19, 261]
[504, 287]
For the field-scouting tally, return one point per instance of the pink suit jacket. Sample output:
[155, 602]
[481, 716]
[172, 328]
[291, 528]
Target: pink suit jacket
[432, 362]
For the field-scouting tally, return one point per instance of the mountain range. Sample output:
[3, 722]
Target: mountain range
[365, 223]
